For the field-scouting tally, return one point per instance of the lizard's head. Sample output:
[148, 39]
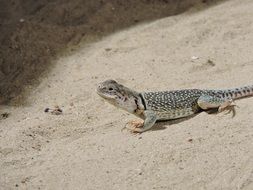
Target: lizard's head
[118, 95]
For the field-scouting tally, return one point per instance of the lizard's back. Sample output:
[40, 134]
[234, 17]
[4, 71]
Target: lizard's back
[173, 104]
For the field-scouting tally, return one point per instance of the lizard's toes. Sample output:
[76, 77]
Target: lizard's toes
[134, 126]
[228, 105]
[229, 108]
[135, 130]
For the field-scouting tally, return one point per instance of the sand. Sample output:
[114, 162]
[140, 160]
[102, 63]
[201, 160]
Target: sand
[84, 148]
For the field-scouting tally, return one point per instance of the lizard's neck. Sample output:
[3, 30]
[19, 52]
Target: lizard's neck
[131, 101]
[140, 106]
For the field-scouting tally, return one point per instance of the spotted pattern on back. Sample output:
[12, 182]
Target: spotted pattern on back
[167, 100]
[182, 103]
[173, 104]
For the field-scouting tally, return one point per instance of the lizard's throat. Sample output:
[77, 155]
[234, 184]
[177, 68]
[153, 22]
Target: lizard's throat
[126, 103]
[132, 104]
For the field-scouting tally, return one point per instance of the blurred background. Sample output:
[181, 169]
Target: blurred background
[34, 32]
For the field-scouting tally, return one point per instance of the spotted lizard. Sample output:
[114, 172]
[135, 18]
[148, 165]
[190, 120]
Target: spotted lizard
[167, 105]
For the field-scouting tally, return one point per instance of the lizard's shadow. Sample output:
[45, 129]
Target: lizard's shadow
[161, 125]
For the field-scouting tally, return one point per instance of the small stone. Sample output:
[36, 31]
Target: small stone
[4, 115]
[210, 62]
[194, 57]
[108, 49]
[46, 110]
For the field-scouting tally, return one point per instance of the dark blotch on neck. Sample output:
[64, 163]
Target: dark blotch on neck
[137, 106]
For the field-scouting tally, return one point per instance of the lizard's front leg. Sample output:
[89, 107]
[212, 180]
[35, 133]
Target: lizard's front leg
[150, 119]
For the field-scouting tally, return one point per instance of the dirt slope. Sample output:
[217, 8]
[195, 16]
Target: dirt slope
[34, 32]
[84, 147]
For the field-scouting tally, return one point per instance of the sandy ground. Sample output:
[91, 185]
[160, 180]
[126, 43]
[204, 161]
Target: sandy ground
[84, 147]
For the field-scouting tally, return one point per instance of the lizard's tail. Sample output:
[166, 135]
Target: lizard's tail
[237, 93]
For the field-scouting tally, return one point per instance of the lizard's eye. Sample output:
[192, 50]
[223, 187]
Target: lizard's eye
[110, 89]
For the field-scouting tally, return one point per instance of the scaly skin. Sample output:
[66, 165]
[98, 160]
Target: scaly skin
[166, 105]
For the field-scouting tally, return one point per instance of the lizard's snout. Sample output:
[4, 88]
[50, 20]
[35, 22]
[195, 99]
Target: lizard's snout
[101, 89]
[100, 85]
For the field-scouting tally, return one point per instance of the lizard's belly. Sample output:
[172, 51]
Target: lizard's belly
[174, 114]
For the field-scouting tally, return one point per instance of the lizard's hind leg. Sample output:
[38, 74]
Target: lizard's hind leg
[206, 102]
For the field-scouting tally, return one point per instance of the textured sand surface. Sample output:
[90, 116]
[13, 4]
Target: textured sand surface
[84, 147]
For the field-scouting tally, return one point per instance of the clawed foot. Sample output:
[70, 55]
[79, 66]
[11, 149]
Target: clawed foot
[230, 106]
[134, 126]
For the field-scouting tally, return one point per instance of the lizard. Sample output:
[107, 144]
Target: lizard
[168, 105]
